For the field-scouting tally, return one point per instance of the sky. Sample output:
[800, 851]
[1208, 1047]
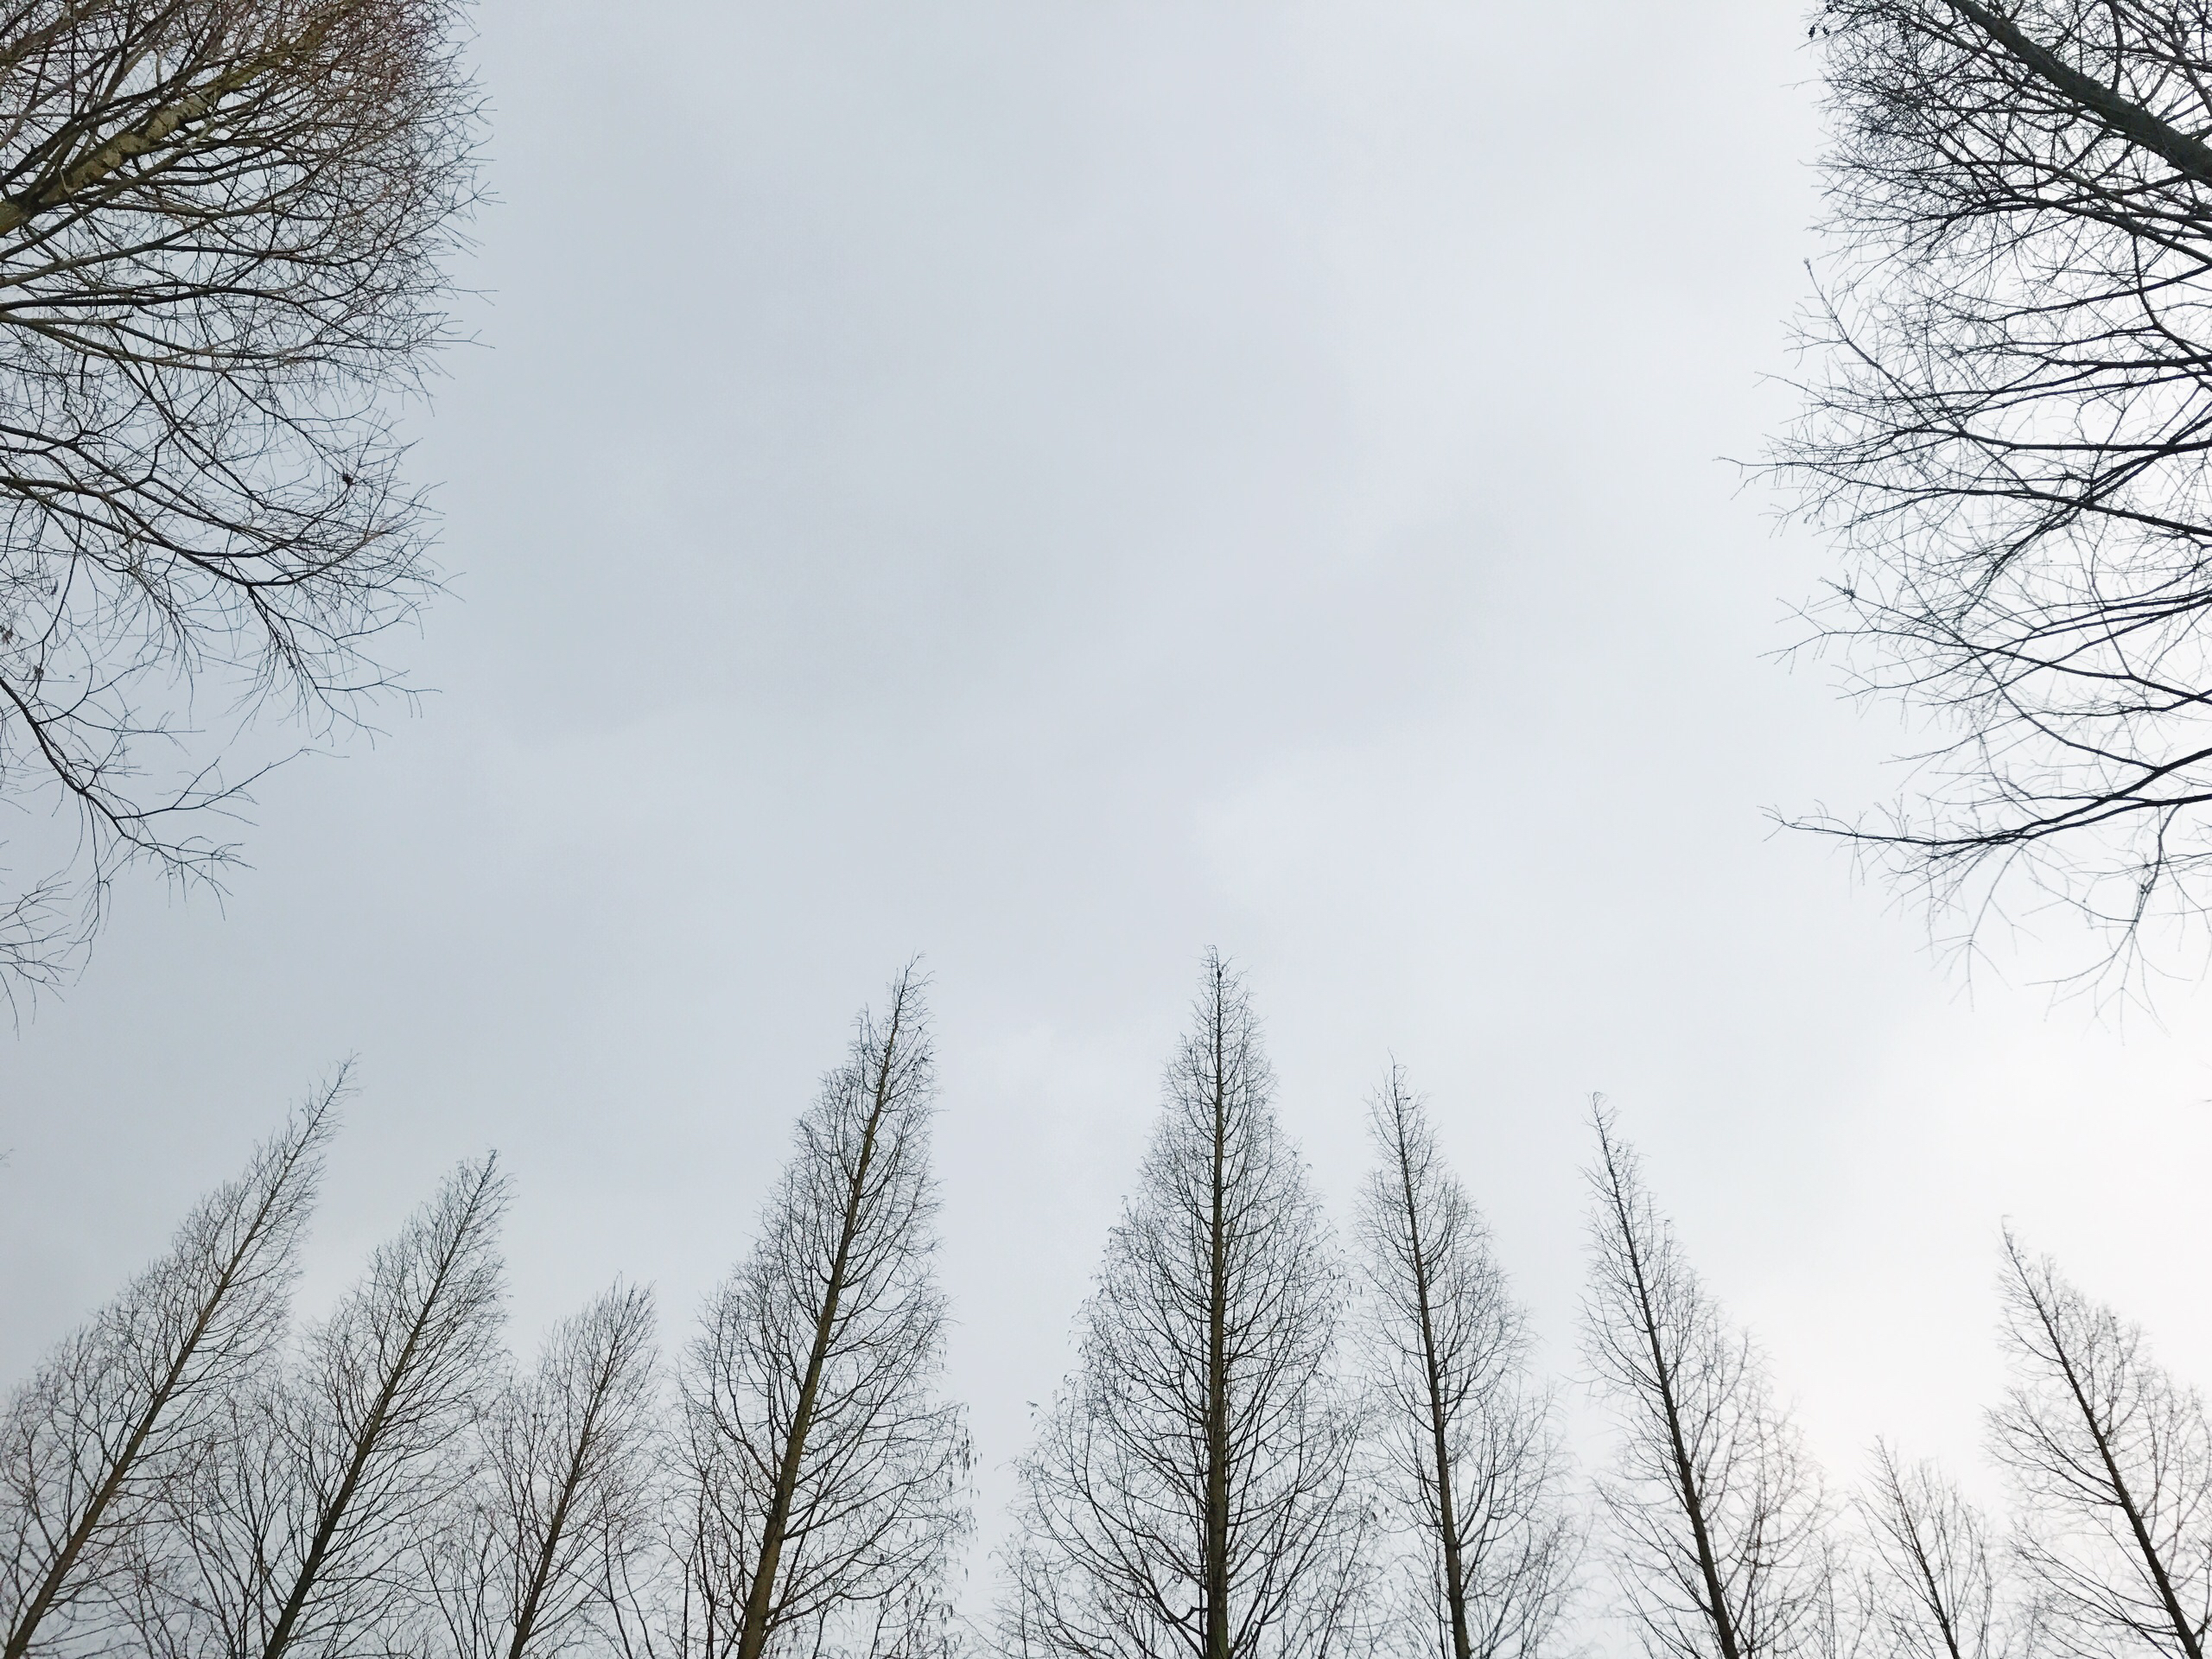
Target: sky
[1053, 489]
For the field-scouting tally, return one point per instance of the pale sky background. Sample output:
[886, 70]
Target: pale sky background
[1054, 487]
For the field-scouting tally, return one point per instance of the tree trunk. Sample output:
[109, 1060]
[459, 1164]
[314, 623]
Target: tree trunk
[369, 1439]
[306, 1138]
[2129, 119]
[1216, 1549]
[1455, 1582]
[1723, 1625]
[759, 1600]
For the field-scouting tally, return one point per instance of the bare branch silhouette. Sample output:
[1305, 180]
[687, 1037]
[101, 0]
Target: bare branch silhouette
[1717, 1545]
[2006, 433]
[565, 1490]
[1471, 1441]
[223, 227]
[136, 1402]
[825, 1474]
[1936, 1587]
[304, 1537]
[2113, 1462]
[1190, 1491]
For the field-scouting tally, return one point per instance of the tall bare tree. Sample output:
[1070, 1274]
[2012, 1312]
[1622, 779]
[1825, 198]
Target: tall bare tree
[1471, 1442]
[1936, 1585]
[1189, 1489]
[825, 1478]
[305, 1537]
[1717, 1543]
[2113, 1462]
[135, 1403]
[564, 1503]
[222, 230]
[2007, 432]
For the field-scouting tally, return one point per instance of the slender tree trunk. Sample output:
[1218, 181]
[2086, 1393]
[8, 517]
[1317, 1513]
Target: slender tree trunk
[1724, 1626]
[542, 1570]
[1472, 1460]
[1455, 1581]
[304, 1582]
[1931, 1591]
[34, 1611]
[1216, 1511]
[526, 1617]
[2124, 1498]
[307, 1138]
[368, 1441]
[759, 1600]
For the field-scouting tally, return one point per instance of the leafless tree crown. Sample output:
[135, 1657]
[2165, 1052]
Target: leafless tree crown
[137, 1402]
[302, 1537]
[1188, 1492]
[222, 229]
[824, 1475]
[1936, 1583]
[1476, 1467]
[1716, 1518]
[2006, 431]
[2111, 1460]
[189, 1478]
[561, 1511]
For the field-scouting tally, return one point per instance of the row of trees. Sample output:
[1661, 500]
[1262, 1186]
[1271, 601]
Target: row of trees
[188, 1476]
[1264, 1449]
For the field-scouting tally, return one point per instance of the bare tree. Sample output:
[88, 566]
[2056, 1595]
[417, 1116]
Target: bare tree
[1188, 1491]
[222, 225]
[1718, 1542]
[137, 1402]
[305, 1537]
[1936, 1585]
[2008, 435]
[1471, 1443]
[825, 1474]
[2113, 1461]
[564, 1504]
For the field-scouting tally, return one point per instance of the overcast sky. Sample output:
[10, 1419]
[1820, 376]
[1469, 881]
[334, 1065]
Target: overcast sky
[1054, 487]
